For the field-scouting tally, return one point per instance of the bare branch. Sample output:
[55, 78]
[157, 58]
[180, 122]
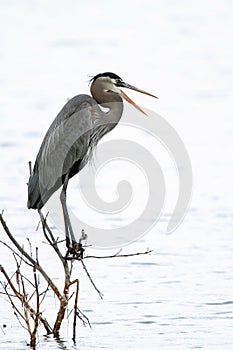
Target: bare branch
[24, 302]
[14, 252]
[117, 255]
[30, 246]
[50, 238]
[32, 261]
[75, 310]
[83, 318]
[36, 321]
[12, 303]
[43, 294]
[92, 282]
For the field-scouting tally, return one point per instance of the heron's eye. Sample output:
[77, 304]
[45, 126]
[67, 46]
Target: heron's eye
[117, 82]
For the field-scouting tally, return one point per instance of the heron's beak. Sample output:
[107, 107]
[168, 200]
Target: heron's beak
[128, 86]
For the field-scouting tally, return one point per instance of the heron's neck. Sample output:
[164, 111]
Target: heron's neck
[105, 121]
[107, 99]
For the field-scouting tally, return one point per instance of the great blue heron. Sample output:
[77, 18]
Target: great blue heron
[71, 138]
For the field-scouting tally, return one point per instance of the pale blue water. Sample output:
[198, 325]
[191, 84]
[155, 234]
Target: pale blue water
[180, 297]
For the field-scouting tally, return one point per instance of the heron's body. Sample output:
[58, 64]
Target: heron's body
[37, 195]
[71, 138]
[51, 150]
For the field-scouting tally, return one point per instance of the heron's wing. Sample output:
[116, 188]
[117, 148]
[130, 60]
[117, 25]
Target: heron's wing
[65, 144]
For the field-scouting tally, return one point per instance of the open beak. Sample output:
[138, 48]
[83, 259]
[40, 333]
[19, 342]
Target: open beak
[128, 86]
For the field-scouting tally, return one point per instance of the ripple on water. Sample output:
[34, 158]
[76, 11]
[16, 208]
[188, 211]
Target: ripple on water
[228, 302]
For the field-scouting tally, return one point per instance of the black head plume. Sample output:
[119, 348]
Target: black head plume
[107, 74]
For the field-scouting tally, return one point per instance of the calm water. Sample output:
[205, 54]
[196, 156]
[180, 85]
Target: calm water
[180, 296]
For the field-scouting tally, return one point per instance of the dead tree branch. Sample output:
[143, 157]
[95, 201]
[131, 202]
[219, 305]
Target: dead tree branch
[118, 255]
[23, 299]
[30, 317]
[30, 259]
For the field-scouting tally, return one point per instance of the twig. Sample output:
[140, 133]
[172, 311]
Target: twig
[14, 252]
[33, 262]
[12, 304]
[36, 321]
[75, 310]
[24, 302]
[23, 299]
[30, 246]
[86, 321]
[43, 294]
[50, 238]
[18, 318]
[117, 255]
[92, 282]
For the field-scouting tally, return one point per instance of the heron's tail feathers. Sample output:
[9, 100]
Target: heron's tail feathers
[34, 193]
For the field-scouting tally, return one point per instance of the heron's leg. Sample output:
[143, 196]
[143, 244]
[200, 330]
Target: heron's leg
[64, 209]
[68, 228]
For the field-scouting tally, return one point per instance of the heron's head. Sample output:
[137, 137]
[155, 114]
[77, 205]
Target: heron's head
[111, 82]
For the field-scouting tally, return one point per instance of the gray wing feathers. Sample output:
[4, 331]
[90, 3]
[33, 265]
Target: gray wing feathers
[65, 143]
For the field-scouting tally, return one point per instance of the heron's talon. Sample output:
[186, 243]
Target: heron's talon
[74, 251]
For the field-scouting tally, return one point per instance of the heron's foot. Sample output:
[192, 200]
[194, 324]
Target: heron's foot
[74, 251]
